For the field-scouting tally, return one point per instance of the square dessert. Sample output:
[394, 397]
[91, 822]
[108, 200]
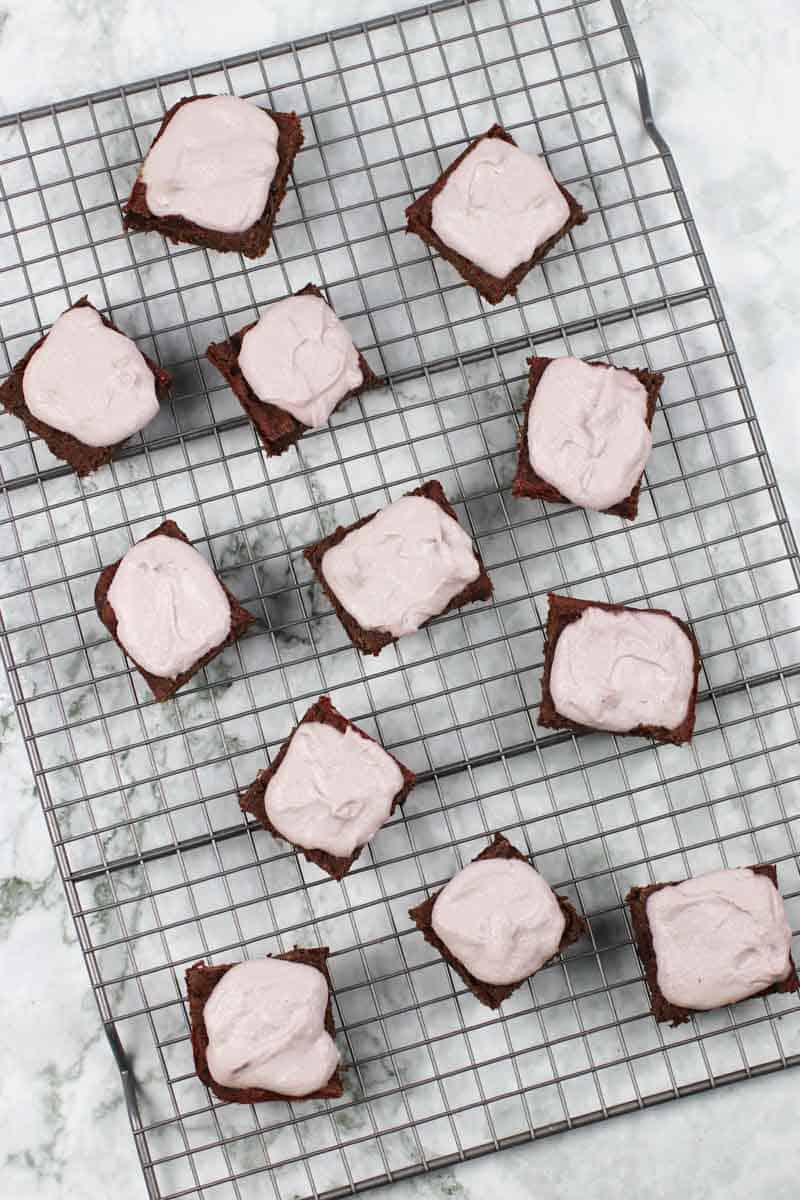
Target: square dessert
[84, 388]
[216, 174]
[586, 434]
[630, 671]
[494, 213]
[263, 1029]
[712, 940]
[292, 368]
[497, 922]
[329, 790]
[165, 608]
[393, 571]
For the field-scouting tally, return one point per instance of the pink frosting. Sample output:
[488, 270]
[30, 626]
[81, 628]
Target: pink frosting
[90, 381]
[266, 1028]
[499, 206]
[401, 568]
[617, 670]
[587, 432]
[719, 938]
[213, 164]
[500, 918]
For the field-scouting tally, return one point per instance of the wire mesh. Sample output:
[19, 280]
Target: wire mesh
[159, 867]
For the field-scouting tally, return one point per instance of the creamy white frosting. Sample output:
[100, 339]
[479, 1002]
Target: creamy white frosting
[213, 164]
[587, 431]
[617, 670]
[401, 568]
[719, 938]
[266, 1028]
[90, 381]
[498, 206]
[300, 357]
[170, 607]
[500, 919]
[333, 790]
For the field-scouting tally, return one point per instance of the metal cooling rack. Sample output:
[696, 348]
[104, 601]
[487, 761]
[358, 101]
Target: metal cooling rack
[158, 865]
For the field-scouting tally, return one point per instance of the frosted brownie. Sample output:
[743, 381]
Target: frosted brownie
[494, 213]
[497, 922]
[216, 174]
[623, 670]
[389, 573]
[263, 1029]
[586, 434]
[329, 790]
[164, 606]
[84, 388]
[292, 368]
[712, 940]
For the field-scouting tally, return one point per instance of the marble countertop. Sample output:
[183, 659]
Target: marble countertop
[726, 96]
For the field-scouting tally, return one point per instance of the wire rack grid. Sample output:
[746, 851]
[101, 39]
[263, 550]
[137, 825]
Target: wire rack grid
[158, 865]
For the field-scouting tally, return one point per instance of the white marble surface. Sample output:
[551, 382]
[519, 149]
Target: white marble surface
[726, 96]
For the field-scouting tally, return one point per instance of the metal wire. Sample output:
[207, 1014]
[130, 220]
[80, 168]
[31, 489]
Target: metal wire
[140, 800]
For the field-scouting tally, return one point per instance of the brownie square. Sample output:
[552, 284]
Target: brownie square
[372, 641]
[82, 458]
[161, 687]
[492, 994]
[277, 428]
[565, 609]
[660, 1007]
[202, 978]
[528, 483]
[419, 220]
[251, 242]
[252, 801]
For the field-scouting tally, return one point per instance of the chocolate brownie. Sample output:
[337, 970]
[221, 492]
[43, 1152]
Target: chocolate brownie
[563, 610]
[277, 428]
[82, 458]
[202, 978]
[660, 1007]
[419, 220]
[492, 994]
[528, 483]
[161, 687]
[372, 641]
[252, 242]
[252, 801]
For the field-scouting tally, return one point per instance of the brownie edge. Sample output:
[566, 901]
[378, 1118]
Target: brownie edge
[528, 483]
[660, 1007]
[419, 220]
[162, 687]
[202, 978]
[493, 994]
[563, 610]
[253, 801]
[252, 242]
[81, 457]
[372, 641]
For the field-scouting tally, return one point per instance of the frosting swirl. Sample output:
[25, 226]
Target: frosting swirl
[213, 164]
[266, 1028]
[618, 670]
[587, 432]
[499, 206]
[402, 567]
[90, 381]
[500, 918]
[170, 607]
[719, 938]
[300, 357]
[333, 790]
